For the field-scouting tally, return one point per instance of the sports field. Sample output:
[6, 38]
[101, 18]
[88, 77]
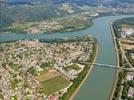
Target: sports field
[46, 75]
[55, 84]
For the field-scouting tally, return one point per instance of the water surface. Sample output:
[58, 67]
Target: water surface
[99, 83]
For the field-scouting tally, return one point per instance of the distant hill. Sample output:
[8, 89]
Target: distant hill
[30, 13]
[38, 10]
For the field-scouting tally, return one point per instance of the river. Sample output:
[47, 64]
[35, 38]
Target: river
[100, 81]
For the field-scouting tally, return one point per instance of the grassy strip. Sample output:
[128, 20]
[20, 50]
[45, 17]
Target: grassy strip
[121, 75]
[73, 66]
[118, 86]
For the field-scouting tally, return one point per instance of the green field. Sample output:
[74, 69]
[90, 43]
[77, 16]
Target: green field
[73, 66]
[54, 84]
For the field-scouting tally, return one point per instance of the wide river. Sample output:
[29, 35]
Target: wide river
[100, 81]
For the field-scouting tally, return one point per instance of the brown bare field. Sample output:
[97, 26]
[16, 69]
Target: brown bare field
[46, 75]
[127, 26]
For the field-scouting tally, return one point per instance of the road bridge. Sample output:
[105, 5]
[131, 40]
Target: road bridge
[110, 66]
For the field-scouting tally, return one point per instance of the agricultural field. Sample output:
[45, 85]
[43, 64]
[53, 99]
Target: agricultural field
[52, 81]
[71, 23]
[55, 84]
[127, 26]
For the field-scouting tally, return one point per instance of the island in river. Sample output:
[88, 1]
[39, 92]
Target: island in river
[46, 68]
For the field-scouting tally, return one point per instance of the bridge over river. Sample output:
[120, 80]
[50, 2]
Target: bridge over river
[110, 66]
[99, 84]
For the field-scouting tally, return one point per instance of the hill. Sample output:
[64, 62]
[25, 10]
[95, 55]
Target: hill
[31, 13]
[37, 10]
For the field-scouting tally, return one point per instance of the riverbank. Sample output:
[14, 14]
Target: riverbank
[103, 79]
[87, 75]
[117, 63]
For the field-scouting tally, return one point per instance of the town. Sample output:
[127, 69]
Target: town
[41, 70]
